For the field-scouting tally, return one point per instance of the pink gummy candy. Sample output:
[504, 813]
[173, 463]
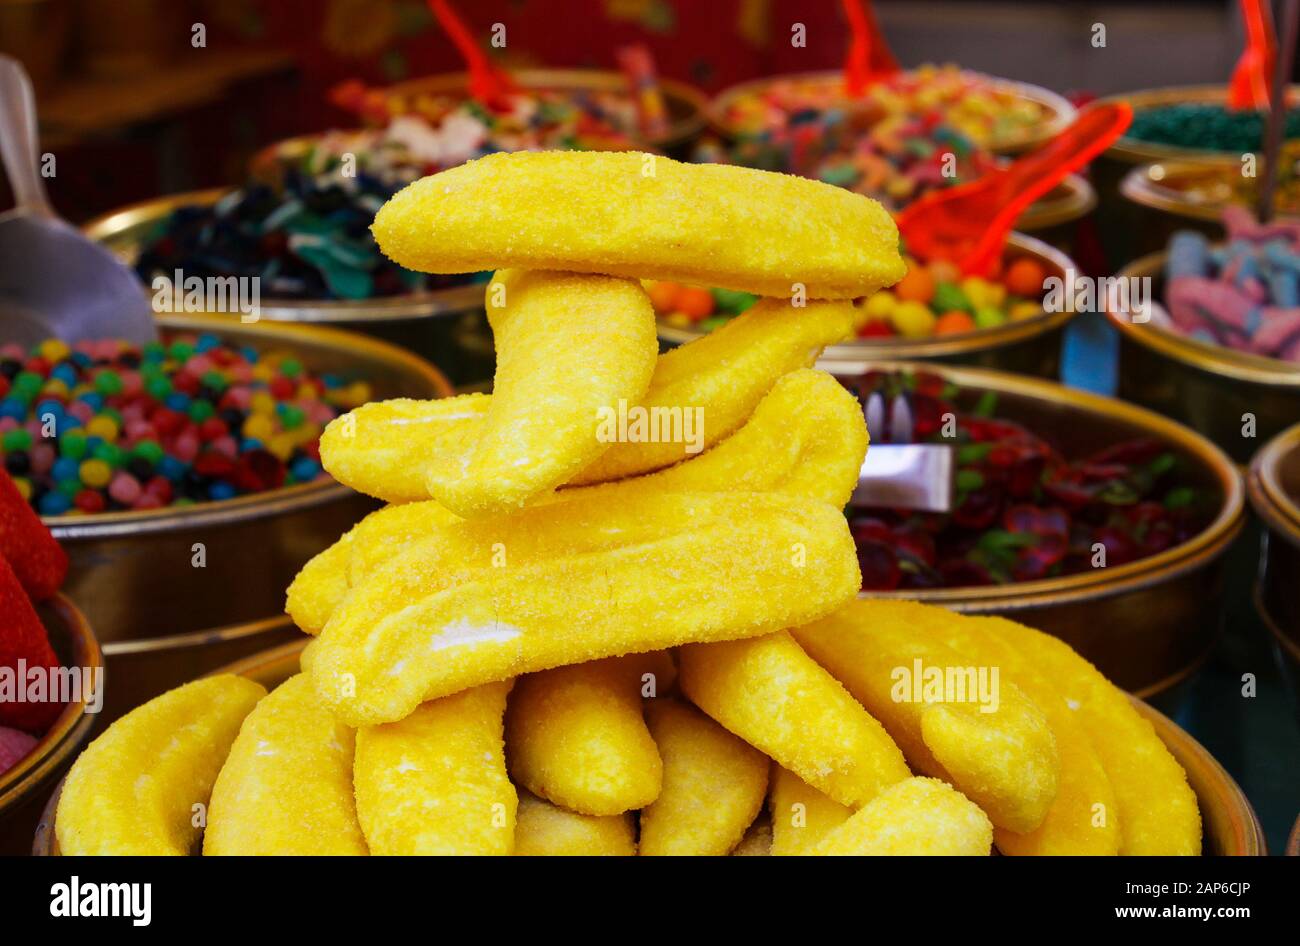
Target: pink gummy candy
[1196, 303]
[14, 746]
[1278, 334]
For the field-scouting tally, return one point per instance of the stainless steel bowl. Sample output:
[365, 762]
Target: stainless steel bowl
[1208, 387]
[1229, 823]
[134, 572]
[1148, 625]
[1273, 484]
[1028, 346]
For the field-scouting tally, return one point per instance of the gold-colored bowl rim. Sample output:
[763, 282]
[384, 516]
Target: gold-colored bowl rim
[694, 102]
[1134, 151]
[1139, 187]
[936, 346]
[1212, 359]
[1059, 108]
[1290, 646]
[1077, 199]
[1279, 509]
[1204, 547]
[427, 304]
[1219, 791]
[256, 505]
[71, 727]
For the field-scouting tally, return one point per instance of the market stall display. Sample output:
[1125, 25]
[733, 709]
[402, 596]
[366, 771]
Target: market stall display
[157, 575]
[1171, 358]
[559, 462]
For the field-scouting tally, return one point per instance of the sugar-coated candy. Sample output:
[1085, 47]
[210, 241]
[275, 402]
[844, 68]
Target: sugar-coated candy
[916, 817]
[135, 789]
[770, 693]
[643, 216]
[714, 784]
[569, 347]
[575, 736]
[435, 782]
[987, 738]
[546, 830]
[286, 785]
[410, 633]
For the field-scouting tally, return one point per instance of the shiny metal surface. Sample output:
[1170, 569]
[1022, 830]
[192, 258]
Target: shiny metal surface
[1208, 387]
[1273, 485]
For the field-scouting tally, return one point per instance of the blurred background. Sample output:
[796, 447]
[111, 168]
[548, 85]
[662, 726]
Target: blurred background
[133, 109]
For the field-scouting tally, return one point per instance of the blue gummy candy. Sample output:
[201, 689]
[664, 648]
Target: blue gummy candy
[1188, 255]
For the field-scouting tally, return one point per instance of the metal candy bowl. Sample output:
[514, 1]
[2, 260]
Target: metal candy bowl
[23, 787]
[1273, 485]
[444, 326]
[1147, 625]
[685, 105]
[1058, 112]
[1121, 220]
[1229, 823]
[162, 619]
[1029, 346]
[1208, 387]
[1179, 195]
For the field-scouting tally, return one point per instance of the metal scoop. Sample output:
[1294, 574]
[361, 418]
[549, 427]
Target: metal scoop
[54, 282]
[900, 474]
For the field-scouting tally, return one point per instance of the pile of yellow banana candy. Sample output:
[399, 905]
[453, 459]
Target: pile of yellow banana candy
[570, 633]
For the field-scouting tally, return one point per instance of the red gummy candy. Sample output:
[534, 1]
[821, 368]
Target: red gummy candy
[22, 637]
[38, 561]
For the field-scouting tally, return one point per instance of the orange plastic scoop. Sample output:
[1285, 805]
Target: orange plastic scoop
[869, 56]
[968, 224]
[1252, 79]
[487, 83]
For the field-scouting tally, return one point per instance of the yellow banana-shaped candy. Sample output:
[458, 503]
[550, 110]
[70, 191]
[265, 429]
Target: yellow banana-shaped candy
[422, 627]
[575, 736]
[1084, 816]
[806, 438]
[916, 817]
[435, 783]
[545, 830]
[721, 378]
[801, 815]
[571, 349]
[953, 719]
[770, 693]
[1158, 813]
[713, 788]
[384, 448]
[644, 216]
[286, 786]
[143, 786]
